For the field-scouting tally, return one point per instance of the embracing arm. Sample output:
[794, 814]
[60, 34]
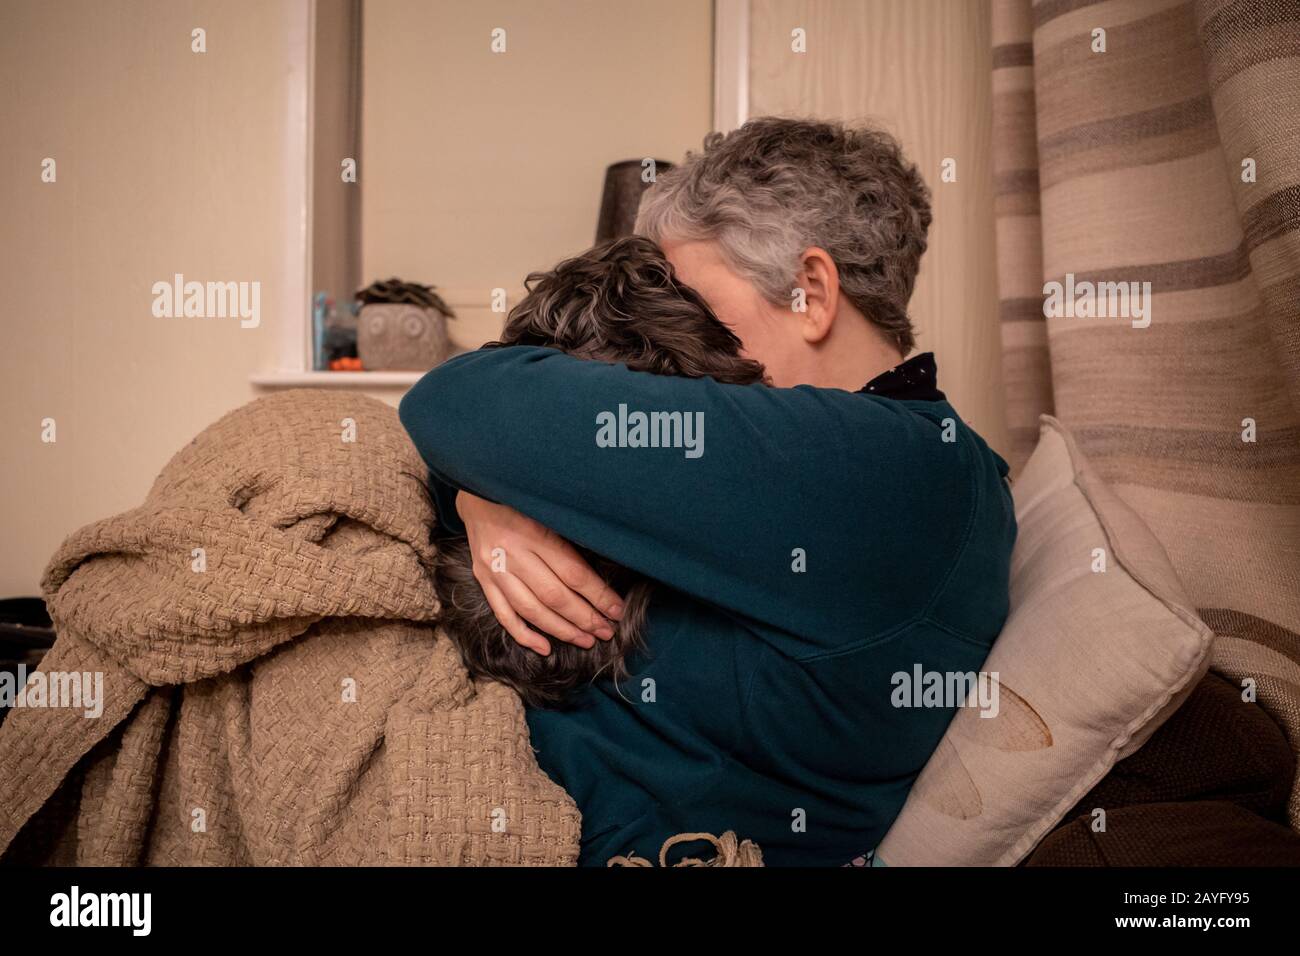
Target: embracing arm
[799, 509]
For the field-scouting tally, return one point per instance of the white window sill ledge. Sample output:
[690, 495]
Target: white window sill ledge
[286, 379]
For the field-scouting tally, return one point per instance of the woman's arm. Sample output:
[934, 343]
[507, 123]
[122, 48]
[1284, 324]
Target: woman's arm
[818, 515]
[528, 573]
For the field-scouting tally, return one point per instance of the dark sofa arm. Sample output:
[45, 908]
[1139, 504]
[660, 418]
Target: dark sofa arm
[1199, 833]
[1210, 787]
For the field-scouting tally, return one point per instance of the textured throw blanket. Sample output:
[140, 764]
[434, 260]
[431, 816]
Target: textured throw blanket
[273, 691]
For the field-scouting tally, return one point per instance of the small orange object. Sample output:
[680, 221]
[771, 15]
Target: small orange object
[349, 364]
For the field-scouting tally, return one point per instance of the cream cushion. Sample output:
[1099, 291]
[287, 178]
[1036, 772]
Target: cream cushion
[1089, 664]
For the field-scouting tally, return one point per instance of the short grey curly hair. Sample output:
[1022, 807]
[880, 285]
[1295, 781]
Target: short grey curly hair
[774, 187]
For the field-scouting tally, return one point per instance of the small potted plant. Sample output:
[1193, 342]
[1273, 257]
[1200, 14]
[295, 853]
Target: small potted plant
[402, 326]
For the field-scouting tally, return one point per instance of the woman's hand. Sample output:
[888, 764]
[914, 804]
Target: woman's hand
[530, 575]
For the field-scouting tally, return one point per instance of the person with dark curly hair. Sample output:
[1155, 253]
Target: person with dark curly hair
[619, 302]
[810, 542]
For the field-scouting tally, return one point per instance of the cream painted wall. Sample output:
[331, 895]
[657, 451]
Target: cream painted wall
[167, 161]
[171, 161]
[921, 69]
[478, 167]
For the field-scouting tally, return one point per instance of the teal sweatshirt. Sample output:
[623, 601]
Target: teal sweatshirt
[818, 550]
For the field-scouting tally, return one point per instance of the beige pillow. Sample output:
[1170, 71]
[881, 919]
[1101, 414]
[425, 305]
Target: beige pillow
[1088, 665]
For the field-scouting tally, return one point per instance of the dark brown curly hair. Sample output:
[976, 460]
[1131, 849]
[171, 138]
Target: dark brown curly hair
[618, 302]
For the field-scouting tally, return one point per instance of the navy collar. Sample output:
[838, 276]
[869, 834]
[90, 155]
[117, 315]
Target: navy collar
[915, 380]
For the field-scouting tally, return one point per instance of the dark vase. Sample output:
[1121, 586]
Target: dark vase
[622, 196]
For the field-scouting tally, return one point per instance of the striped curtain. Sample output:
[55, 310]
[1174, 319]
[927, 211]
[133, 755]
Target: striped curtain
[1158, 141]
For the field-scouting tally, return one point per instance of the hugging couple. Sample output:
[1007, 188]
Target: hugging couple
[709, 643]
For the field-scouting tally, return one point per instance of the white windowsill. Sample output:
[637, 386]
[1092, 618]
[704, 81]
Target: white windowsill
[289, 379]
[475, 324]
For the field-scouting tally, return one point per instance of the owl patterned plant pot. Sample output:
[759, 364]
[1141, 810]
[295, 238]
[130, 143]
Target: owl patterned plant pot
[401, 337]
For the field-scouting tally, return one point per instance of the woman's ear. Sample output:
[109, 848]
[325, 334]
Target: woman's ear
[816, 299]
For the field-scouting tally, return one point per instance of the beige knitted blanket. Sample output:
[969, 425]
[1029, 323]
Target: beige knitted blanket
[272, 690]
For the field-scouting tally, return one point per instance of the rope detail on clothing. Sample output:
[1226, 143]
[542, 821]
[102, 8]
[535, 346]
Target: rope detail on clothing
[730, 851]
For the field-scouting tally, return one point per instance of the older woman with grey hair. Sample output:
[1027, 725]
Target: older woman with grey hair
[836, 531]
[768, 215]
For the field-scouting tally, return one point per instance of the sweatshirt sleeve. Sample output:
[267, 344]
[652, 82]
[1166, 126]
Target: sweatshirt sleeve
[821, 517]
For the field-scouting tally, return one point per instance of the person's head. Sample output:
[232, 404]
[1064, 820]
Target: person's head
[781, 205]
[619, 302]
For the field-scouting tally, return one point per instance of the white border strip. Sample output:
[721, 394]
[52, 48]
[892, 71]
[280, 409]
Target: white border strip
[293, 346]
[730, 64]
